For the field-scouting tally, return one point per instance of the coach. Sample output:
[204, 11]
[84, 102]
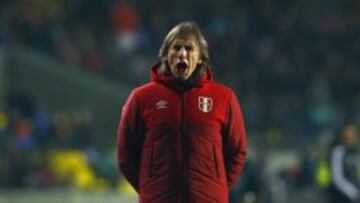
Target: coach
[181, 137]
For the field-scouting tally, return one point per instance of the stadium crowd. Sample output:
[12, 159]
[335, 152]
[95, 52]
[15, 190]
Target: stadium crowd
[294, 64]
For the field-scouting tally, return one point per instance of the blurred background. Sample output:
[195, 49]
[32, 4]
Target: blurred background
[66, 67]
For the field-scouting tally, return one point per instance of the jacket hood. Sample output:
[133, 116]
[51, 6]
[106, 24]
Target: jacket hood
[159, 75]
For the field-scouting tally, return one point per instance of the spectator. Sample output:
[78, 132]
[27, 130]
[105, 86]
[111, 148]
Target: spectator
[344, 157]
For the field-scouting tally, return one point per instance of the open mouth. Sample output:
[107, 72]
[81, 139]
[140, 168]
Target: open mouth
[181, 67]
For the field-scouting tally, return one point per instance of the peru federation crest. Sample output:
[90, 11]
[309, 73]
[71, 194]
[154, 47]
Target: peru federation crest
[205, 104]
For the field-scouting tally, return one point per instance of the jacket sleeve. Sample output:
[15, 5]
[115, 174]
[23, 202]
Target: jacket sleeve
[338, 174]
[129, 141]
[234, 141]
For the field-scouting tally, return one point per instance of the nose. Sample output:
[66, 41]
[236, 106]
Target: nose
[182, 53]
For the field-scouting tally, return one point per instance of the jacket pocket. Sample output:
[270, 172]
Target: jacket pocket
[216, 164]
[151, 158]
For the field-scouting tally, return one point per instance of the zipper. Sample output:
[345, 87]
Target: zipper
[181, 142]
[215, 162]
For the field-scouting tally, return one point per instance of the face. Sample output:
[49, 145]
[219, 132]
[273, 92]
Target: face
[350, 135]
[183, 57]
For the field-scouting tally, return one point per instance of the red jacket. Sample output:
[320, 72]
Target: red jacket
[181, 146]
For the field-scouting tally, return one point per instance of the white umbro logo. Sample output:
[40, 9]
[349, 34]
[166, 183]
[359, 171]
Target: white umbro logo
[161, 104]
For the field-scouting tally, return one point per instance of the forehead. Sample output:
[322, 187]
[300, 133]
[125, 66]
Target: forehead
[187, 40]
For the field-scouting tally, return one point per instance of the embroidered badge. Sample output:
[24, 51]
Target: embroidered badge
[205, 104]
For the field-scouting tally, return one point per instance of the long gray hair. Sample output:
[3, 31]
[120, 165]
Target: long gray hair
[182, 30]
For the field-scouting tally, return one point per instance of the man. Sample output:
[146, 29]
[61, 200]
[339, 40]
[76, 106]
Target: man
[181, 137]
[344, 160]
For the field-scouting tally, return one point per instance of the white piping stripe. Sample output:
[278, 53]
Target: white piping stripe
[337, 172]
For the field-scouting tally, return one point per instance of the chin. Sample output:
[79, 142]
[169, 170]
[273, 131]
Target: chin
[182, 78]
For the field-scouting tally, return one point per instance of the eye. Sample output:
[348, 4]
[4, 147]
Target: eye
[177, 47]
[189, 48]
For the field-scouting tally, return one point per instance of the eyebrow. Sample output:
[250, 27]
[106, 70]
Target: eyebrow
[186, 44]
